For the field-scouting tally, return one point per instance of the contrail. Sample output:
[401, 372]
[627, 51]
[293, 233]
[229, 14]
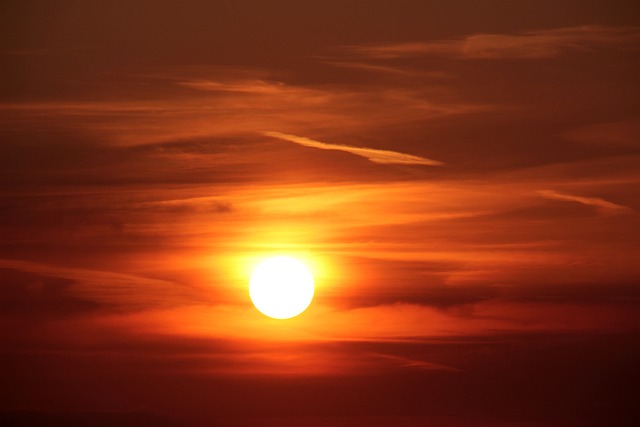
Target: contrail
[372, 154]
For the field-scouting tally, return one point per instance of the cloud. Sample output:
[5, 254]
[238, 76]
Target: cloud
[414, 363]
[114, 289]
[602, 205]
[372, 154]
[189, 205]
[395, 71]
[525, 45]
[242, 86]
[197, 108]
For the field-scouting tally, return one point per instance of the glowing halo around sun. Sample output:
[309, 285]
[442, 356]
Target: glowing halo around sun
[281, 287]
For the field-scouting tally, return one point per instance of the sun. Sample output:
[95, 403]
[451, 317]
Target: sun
[281, 287]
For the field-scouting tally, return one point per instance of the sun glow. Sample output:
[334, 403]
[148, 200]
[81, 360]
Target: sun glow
[281, 287]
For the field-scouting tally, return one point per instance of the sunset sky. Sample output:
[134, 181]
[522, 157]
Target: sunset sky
[461, 177]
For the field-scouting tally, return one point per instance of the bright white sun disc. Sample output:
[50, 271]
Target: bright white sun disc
[281, 287]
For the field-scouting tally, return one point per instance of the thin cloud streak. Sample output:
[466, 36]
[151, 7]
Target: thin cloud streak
[399, 72]
[372, 154]
[109, 288]
[538, 44]
[603, 206]
[220, 106]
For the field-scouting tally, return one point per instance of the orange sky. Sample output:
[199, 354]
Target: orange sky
[461, 177]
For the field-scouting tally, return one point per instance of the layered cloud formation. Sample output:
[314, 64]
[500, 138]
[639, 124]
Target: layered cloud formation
[465, 195]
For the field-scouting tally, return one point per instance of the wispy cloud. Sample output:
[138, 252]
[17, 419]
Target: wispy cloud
[414, 363]
[109, 288]
[396, 71]
[525, 45]
[372, 154]
[603, 206]
[221, 106]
